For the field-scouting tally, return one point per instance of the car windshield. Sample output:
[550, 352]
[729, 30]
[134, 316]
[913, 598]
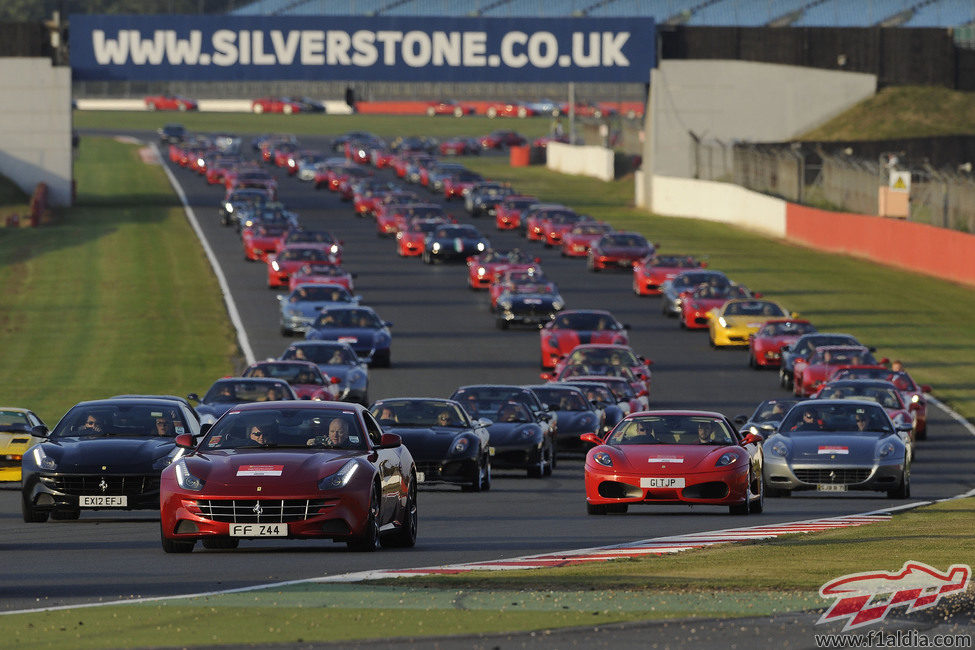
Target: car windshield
[303, 255]
[321, 269]
[624, 240]
[772, 410]
[11, 421]
[424, 212]
[293, 373]
[886, 396]
[309, 237]
[305, 428]
[487, 400]
[687, 280]
[591, 321]
[588, 229]
[834, 356]
[561, 399]
[420, 413]
[675, 262]
[238, 391]
[517, 204]
[348, 318]
[328, 354]
[672, 430]
[320, 293]
[603, 357]
[835, 417]
[121, 419]
[786, 328]
[753, 308]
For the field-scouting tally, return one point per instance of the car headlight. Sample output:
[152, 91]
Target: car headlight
[603, 459]
[886, 449]
[334, 249]
[340, 478]
[778, 448]
[558, 304]
[722, 322]
[169, 459]
[42, 460]
[480, 246]
[354, 376]
[460, 446]
[481, 271]
[229, 207]
[274, 265]
[436, 247]
[504, 303]
[728, 458]
[186, 480]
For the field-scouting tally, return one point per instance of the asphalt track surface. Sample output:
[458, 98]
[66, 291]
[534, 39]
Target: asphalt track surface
[444, 336]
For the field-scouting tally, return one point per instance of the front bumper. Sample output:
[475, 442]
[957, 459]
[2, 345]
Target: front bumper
[719, 487]
[784, 475]
[49, 491]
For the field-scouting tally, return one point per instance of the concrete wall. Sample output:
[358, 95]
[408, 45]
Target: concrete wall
[738, 100]
[583, 160]
[724, 202]
[35, 132]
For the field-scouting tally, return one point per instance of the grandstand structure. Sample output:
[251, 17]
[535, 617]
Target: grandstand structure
[692, 13]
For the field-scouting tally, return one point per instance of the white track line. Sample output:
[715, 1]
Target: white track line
[228, 299]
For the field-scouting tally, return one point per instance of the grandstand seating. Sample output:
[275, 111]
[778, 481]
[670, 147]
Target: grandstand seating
[698, 13]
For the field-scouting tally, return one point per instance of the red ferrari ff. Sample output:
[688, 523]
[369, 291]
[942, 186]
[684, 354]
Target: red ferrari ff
[299, 470]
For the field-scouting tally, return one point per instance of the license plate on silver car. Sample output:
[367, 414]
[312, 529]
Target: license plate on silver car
[831, 487]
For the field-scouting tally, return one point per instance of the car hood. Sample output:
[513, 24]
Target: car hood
[311, 308]
[115, 454]
[841, 448]
[576, 422]
[286, 467]
[362, 336]
[430, 443]
[668, 459]
[514, 433]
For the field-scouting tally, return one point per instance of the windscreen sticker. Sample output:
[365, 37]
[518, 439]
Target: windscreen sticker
[214, 441]
[354, 439]
[260, 470]
[179, 429]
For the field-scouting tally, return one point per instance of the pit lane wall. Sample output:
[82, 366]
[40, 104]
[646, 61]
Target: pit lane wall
[920, 248]
[585, 160]
[35, 132]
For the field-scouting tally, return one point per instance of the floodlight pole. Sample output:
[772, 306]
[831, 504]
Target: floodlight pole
[572, 112]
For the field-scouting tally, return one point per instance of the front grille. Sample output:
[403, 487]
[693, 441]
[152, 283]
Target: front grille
[836, 475]
[260, 511]
[429, 469]
[133, 486]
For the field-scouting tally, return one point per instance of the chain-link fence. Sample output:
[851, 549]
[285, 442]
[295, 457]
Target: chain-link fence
[838, 180]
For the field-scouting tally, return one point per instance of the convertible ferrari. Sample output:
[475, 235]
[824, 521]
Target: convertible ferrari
[579, 326]
[290, 470]
[16, 425]
[669, 457]
[447, 446]
[734, 322]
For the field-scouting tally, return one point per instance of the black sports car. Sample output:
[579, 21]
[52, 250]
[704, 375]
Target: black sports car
[226, 393]
[446, 445]
[520, 427]
[454, 242]
[103, 454]
[574, 414]
[529, 303]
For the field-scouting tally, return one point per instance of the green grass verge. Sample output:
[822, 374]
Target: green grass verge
[733, 580]
[925, 322]
[115, 297]
[311, 124]
[903, 112]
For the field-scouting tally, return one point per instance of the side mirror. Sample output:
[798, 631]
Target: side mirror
[925, 388]
[740, 419]
[591, 437]
[390, 441]
[387, 323]
[648, 362]
[194, 397]
[785, 348]
[626, 326]
[334, 380]
[184, 440]
[751, 439]
[547, 376]
[40, 431]
[795, 314]
[483, 422]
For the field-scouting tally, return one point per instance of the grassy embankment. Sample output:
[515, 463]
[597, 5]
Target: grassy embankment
[114, 297]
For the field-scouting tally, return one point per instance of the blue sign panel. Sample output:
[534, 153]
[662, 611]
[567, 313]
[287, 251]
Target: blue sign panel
[265, 48]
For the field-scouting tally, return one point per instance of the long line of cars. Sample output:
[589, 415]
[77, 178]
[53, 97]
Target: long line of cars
[259, 455]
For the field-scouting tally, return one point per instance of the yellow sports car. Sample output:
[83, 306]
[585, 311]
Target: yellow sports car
[15, 439]
[736, 320]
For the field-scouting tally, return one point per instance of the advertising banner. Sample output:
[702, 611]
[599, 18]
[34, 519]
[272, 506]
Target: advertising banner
[320, 48]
